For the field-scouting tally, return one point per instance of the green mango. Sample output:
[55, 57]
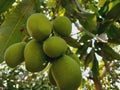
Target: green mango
[35, 59]
[14, 54]
[54, 46]
[38, 26]
[66, 73]
[62, 25]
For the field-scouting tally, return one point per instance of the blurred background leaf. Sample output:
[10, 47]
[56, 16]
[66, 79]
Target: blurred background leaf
[12, 29]
[5, 5]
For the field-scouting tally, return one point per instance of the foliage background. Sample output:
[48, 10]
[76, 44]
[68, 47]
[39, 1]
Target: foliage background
[97, 24]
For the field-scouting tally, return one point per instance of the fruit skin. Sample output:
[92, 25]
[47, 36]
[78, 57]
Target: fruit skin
[35, 59]
[62, 25]
[50, 76]
[38, 26]
[74, 56]
[14, 54]
[54, 46]
[66, 73]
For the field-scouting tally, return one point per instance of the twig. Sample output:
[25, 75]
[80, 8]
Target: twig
[106, 68]
[97, 84]
[83, 29]
[26, 38]
[89, 33]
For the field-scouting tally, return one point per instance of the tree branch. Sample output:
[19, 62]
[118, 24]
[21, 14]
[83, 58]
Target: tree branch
[89, 33]
[97, 83]
[105, 69]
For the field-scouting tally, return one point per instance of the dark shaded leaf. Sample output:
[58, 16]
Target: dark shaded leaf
[113, 34]
[85, 38]
[72, 42]
[93, 8]
[104, 26]
[89, 58]
[95, 68]
[90, 22]
[39, 3]
[104, 55]
[114, 13]
[103, 10]
[108, 53]
[82, 50]
[4, 5]
[107, 9]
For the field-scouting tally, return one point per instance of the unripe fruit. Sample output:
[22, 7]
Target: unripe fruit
[62, 25]
[35, 59]
[38, 26]
[66, 73]
[14, 55]
[50, 76]
[74, 56]
[54, 46]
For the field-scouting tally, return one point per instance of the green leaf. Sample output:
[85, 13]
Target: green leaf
[85, 38]
[90, 22]
[11, 30]
[51, 3]
[113, 34]
[89, 58]
[101, 3]
[108, 53]
[67, 4]
[82, 50]
[93, 8]
[39, 4]
[4, 5]
[104, 55]
[104, 26]
[95, 68]
[72, 42]
[112, 4]
[104, 9]
[114, 13]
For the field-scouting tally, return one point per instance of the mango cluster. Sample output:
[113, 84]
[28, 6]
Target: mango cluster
[47, 46]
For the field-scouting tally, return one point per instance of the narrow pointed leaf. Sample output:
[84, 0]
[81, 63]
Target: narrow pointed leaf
[85, 38]
[72, 42]
[114, 13]
[113, 34]
[89, 58]
[109, 52]
[82, 50]
[101, 3]
[95, 68]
